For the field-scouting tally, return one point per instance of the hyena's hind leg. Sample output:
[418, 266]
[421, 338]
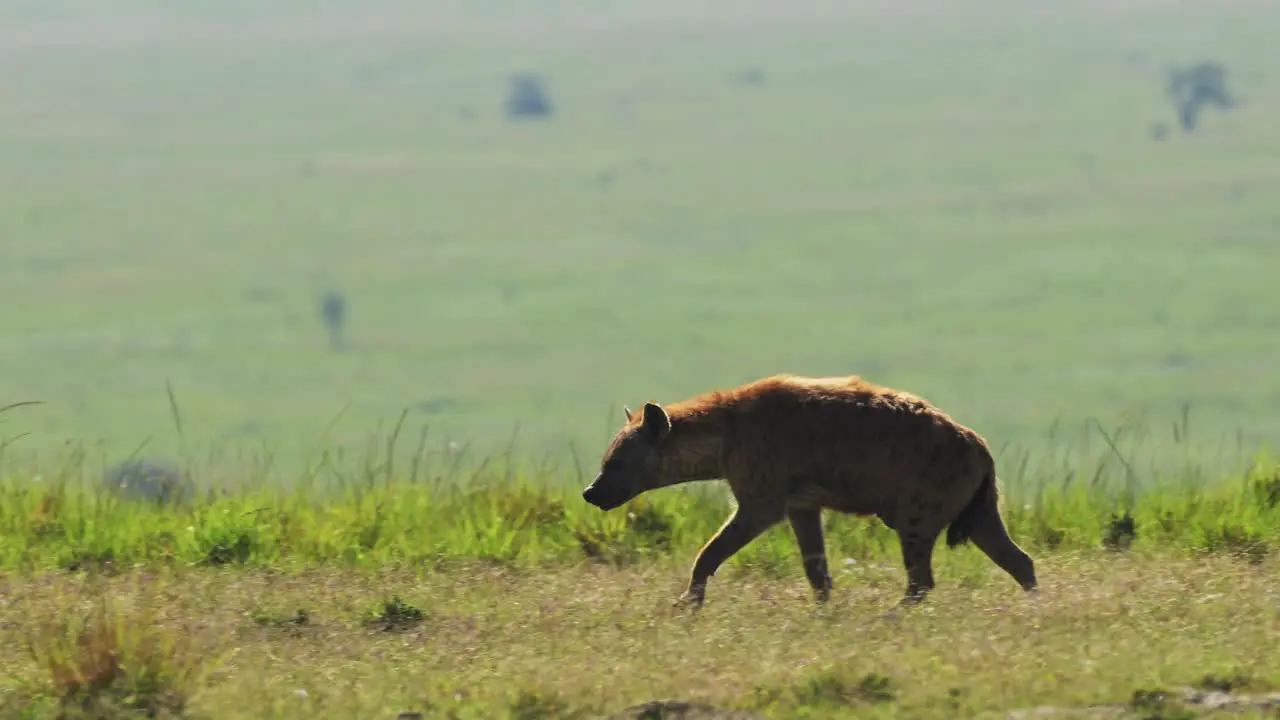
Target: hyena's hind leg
[980, 522]
[806, 523]
[992, 538]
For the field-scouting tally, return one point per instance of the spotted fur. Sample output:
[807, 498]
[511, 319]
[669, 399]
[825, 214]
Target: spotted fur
[792, 446]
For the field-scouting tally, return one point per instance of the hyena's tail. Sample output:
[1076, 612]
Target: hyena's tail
[984, 503]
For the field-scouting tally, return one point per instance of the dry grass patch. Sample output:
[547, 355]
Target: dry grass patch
[98, 657]
[492, 642]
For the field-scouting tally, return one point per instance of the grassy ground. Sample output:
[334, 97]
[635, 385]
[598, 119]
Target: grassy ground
[497, 642]
[963, 201]
[511, 598]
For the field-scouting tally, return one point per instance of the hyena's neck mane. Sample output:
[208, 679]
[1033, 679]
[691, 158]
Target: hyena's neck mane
[694, 449]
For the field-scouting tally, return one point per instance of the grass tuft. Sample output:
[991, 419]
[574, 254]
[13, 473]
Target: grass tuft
[396, 615]
[1158, 705]
[109, 665]
[538, 704]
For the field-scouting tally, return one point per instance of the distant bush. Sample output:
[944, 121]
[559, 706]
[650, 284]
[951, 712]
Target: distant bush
[333, 309]
[153, 481]
[527, 98]
[1193, 87]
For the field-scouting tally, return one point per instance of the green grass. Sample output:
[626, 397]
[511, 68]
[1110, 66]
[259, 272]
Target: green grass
[493, 597]
[530, 521]
[959, 199]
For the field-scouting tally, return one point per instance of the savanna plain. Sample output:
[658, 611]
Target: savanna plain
[988, 203]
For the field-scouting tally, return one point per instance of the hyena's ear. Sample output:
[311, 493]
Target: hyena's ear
[656, 422]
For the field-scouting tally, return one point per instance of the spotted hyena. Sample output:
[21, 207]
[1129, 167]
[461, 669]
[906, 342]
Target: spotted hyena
[790, 446]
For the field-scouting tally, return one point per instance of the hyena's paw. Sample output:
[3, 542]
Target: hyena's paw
[691, 599]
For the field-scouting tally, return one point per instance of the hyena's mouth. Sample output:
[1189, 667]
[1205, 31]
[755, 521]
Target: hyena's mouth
[606, 498]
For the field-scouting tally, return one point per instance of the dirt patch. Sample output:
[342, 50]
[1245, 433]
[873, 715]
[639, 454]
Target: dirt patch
[680, 710]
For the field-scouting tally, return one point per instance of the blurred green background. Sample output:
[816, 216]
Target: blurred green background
[970, 200]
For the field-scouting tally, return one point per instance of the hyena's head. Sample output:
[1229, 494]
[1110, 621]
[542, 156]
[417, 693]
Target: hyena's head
[631, 463]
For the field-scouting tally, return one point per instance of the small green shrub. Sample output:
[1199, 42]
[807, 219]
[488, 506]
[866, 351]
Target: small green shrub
[396, 615]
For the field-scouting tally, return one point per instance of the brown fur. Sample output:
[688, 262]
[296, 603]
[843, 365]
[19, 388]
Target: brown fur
[792, 446]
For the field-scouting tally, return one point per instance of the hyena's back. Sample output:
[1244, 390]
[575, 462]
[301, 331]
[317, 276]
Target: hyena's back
[853, 446]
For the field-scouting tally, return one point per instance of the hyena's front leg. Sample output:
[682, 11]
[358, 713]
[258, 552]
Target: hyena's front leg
[806, 523]
[745, 525]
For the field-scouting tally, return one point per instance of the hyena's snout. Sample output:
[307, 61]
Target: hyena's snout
[606, 495]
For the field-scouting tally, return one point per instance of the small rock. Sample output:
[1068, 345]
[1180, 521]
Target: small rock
[1218, 700]
[1208, 699]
